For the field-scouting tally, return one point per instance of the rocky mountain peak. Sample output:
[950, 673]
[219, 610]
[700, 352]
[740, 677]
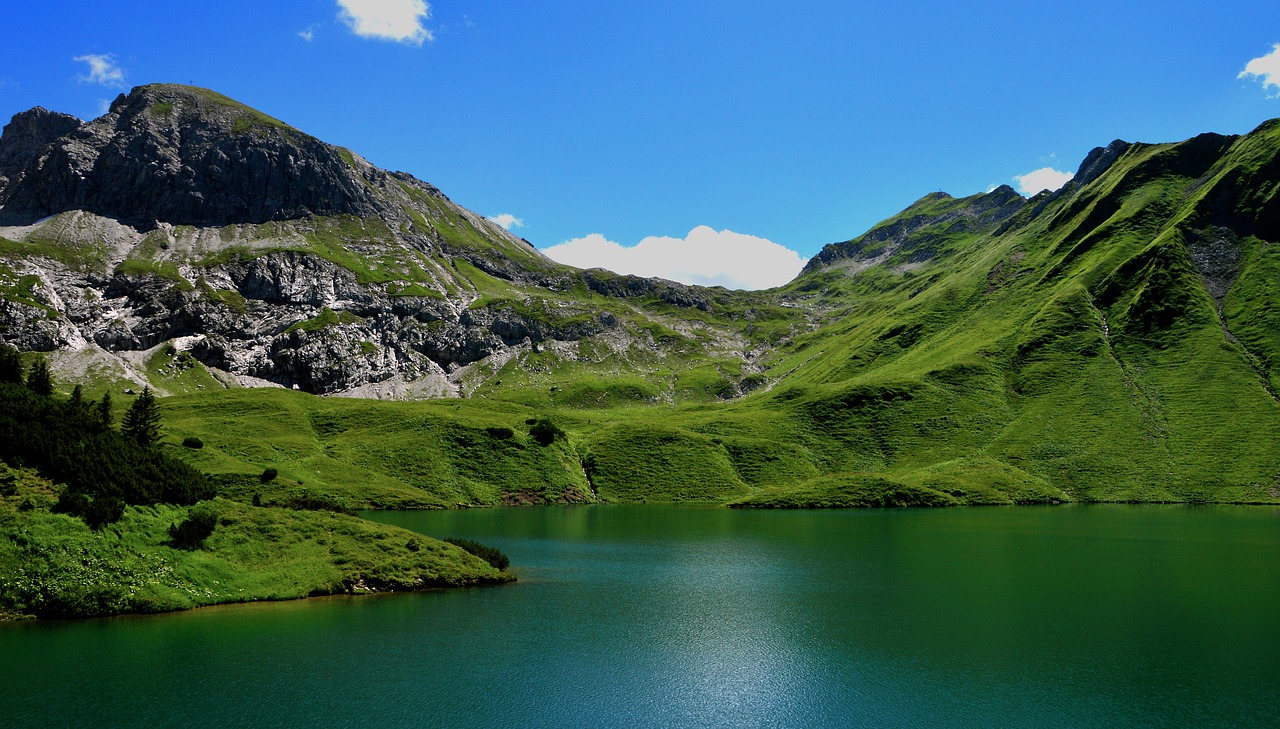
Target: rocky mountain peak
[178, 105]
[27, 133]
[920, 232]
[180, 155]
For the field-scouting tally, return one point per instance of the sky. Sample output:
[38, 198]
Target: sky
[722, 141]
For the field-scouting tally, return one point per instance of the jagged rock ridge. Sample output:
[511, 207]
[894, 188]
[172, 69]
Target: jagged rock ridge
[273, 257]
[181, 156]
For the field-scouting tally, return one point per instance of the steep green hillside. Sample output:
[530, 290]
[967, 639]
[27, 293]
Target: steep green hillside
[1112, 341]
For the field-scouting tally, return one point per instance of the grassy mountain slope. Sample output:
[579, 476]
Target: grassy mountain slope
[1110, 341]
[1114, 340]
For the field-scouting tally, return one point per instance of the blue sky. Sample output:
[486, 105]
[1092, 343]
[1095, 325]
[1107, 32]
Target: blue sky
[793, 123]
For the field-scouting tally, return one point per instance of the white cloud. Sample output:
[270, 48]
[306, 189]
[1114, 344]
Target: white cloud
[104, 105]
[508, 221]
[1045, 178]
[703, 257]
[1266, 69]
[103, 70]
[309, 34]
[393, 20]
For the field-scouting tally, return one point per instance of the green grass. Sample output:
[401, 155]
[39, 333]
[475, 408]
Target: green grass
[229, 298]
[179, 372]
[325, 319]
[846, 490]
[22, 289]
[52, 565]
[365, 454]
[1070, 352]
[57, 242]
[412, 289]
[246, 120]
[159, 269]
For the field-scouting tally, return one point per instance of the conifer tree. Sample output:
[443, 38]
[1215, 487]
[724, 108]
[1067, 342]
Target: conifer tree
[142, 422]
[39, 380]
[104, 412]
[10, 365]
[77, 399]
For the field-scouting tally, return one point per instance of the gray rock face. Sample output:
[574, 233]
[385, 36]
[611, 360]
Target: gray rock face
[179, 155]
[286, 317]
[1098, 161]
[182, 215]
[27, 134]
[631, 287]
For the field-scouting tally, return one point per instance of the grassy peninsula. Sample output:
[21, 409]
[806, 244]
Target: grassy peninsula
[100, 521]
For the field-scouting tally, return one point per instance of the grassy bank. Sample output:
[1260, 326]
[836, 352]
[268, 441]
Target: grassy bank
[53, 565]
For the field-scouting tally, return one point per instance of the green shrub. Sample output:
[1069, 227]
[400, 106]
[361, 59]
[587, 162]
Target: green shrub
[102, 511]
[10, 365]
[545, 431]
[492, 555]
[269, 475]
[315, 502]
[192, 442]
[196, 528]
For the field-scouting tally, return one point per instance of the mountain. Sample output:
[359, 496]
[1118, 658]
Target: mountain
[184, 224]
[1114, 340]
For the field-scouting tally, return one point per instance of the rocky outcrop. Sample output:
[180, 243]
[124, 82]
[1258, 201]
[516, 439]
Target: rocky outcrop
[1098, 161]
[179, 155]
[917, 231]
[182, 216]
[26, 135]
[633, 287]
[286, 317]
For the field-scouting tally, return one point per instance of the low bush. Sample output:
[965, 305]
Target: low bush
[492, 555]
[314, 502]
[193, 530]
[545, 431]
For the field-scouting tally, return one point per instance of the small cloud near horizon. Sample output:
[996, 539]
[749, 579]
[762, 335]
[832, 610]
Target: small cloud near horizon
[507, 220]
[704, 257]
[308, 34]
[103, 70]
[1045, 178]
[391, 20]
[1266, 70]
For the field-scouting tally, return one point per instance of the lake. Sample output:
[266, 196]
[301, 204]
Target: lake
[684, 616]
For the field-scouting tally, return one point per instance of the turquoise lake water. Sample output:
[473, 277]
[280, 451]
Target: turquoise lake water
[676, 616]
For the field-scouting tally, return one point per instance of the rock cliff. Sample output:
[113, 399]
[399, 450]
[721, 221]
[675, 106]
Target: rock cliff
[271, 257]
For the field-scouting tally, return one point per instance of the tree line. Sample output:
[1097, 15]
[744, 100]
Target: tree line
[73, 441]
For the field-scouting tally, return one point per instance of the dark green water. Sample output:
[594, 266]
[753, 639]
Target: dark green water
[665, 616]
